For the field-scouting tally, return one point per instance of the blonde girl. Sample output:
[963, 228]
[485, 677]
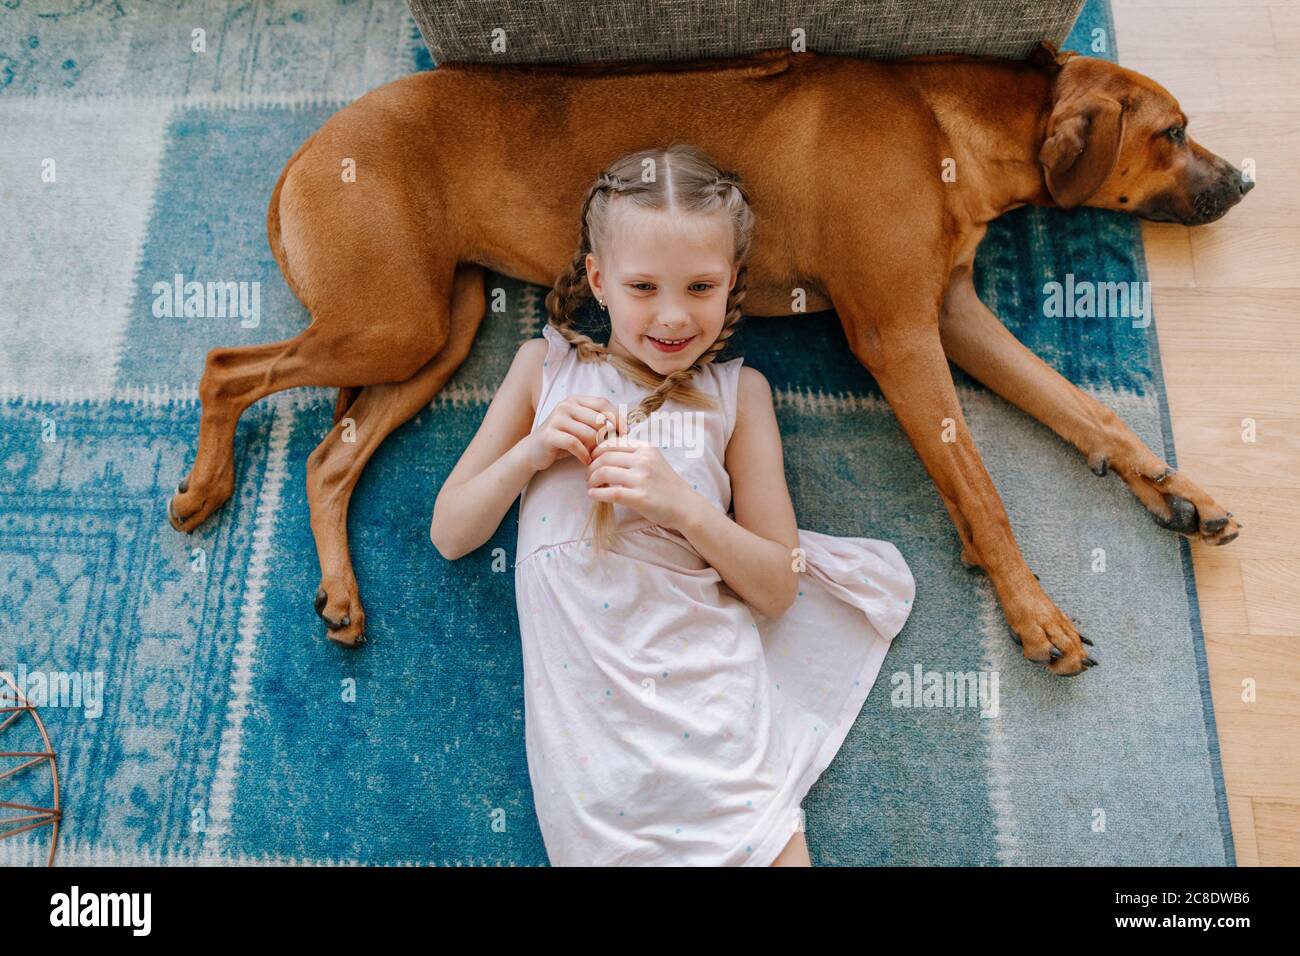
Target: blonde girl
[693, 664]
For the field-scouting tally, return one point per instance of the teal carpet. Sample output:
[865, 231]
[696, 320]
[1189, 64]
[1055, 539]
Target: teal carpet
[231, 731]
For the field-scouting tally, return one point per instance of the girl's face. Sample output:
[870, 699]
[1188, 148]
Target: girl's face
[665, 283]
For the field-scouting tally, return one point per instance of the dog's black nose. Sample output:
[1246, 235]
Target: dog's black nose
[1245, 184]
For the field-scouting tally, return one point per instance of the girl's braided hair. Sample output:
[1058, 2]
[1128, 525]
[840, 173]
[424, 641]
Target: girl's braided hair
[679, 177]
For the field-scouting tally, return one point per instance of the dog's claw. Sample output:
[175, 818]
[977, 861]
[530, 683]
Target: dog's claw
[356, 642]
[1085, 640]
[173, 517]
[1215, 524]
[184, 486]
[1090, 661]
[321, 598]
[1056, 654]
[1099, 465]
[1160, 479]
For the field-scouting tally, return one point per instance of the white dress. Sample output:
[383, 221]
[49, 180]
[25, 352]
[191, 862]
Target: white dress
[666, 722]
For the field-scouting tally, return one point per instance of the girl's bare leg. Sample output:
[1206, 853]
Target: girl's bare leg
[795, 852]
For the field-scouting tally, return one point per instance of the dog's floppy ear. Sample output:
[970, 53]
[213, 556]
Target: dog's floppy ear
[1046, 56]
[1081, 147]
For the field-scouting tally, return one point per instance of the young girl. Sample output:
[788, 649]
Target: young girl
[687, 676]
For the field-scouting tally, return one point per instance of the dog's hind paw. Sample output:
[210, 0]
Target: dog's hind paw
[188, 508]
[345, 627]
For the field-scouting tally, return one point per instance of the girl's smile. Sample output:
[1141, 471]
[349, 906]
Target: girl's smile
[670, 345]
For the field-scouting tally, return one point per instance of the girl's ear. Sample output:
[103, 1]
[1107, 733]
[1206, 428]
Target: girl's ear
[594, 279]
[735, 272]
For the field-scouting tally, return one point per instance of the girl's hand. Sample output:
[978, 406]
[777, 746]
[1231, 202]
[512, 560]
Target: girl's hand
[635, 473]
[574, 427]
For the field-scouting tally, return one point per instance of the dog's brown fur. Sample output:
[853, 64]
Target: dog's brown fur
[470, 167]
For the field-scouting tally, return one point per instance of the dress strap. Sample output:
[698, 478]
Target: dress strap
[558, 352]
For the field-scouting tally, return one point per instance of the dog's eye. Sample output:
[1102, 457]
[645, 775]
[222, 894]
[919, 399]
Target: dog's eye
[1176, 133]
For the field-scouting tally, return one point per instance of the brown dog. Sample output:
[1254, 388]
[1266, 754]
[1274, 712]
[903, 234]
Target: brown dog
[473, 167]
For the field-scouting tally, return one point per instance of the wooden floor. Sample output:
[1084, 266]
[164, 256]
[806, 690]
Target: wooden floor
[1227, 308]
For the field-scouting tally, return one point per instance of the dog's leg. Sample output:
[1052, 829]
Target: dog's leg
[977, 341]
[341, 405]
[898, 341]
[235, 378]
[334, 467]
[368, 276]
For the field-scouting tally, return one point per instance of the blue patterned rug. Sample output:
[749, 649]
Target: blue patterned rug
[230, 730]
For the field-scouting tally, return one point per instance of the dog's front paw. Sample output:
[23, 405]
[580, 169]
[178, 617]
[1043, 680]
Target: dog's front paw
[1045, 633]
[1180, 504]
[339, 606]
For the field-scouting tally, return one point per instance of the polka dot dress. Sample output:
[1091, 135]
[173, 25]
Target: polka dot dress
[666, 722]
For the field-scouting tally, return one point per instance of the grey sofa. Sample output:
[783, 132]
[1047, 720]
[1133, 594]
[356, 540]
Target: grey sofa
[585, 32]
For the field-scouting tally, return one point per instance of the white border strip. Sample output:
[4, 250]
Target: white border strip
[35, 852]
[67, 394]
[993, 638]
[806, 400]
[533, 315]
[42, 104]
[187, 395]
[250, 626]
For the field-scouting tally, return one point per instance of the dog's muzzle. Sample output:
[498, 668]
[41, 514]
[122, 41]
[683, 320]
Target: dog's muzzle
[1206, 205]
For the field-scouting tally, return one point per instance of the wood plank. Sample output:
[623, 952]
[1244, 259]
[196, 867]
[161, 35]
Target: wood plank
[1242, 815]
[1277, 828]
[1224, 256]
[1266, 84]
[1169, 255]
[1201, 32]
[1257, 737]
[1251, 320]
[1218, 586]
[1272, 588]
[1194, 83]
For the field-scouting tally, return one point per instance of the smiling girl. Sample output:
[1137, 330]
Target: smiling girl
[688, 673]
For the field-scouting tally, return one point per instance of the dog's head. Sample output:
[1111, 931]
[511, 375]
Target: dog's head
[1117, 140]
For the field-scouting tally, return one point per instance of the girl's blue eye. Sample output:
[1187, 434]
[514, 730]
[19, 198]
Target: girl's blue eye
[707, 285]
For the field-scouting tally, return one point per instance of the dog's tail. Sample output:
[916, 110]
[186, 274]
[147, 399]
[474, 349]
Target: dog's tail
[273, 220]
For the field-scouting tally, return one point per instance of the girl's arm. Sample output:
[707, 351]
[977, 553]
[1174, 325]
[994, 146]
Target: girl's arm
[494, 468]
[755, 553]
